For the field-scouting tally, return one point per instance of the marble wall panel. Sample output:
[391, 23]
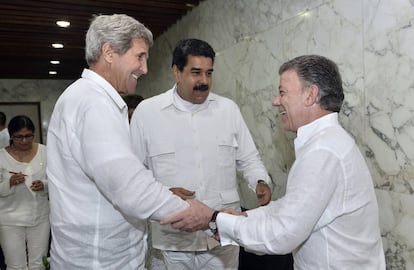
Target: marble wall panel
[44, 91]
[389, 118]
[371, 41]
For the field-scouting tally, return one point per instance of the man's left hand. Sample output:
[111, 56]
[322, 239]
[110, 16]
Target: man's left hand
[263, 193]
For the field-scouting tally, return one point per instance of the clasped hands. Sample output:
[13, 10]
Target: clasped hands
[195, 217]
[198, 215]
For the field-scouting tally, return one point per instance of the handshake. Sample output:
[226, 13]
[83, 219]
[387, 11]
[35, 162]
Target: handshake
[197, 216]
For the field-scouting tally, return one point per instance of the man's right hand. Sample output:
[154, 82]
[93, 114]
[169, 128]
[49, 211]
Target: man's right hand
[193, 218]
[183, 193]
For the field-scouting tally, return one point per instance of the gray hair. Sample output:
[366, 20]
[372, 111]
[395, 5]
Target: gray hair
[322, 72]
[119, 30]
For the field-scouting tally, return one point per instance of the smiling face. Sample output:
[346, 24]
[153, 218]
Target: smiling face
[292, 101]
[23, 139]
[194, 82]
[128, 67]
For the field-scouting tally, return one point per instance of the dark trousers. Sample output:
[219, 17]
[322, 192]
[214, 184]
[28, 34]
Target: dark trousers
[250, 261]
[2, 263]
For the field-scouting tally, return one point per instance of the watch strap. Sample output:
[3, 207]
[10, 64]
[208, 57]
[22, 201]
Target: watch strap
[214, 216]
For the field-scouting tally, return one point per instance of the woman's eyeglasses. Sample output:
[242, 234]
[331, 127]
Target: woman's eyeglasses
[22, 137]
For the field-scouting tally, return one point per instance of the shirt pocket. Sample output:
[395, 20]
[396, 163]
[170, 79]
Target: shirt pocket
[162, 160]
[227, 151]
[230, 199]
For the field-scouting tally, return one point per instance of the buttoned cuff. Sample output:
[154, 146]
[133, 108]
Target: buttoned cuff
[227, 228]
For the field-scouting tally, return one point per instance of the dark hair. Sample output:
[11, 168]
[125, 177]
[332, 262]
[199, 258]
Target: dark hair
[194, 47]
[322, 72]
[132, 101]
[19, 122]
[2, 119]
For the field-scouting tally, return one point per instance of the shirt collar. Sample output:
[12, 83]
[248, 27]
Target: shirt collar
[105, 85]
[307, 131]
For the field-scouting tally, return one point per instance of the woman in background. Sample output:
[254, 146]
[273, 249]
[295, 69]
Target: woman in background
[24, 205]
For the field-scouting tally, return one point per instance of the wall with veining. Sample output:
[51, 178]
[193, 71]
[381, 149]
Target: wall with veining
[372, 43]
[44, 91]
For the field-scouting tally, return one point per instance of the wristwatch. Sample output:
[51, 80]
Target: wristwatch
[212, 224]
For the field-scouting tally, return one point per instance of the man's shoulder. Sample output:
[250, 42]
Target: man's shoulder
[334, 139]
[81, 89]
[156, 101]
[222, 100]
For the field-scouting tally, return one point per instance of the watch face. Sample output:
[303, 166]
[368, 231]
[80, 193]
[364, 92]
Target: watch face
[212, 225]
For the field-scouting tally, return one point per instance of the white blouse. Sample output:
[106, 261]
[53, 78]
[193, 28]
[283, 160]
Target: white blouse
[19, 205]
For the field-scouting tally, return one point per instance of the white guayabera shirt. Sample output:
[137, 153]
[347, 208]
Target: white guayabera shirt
[199, 147]
[96, 182]
[329, 215]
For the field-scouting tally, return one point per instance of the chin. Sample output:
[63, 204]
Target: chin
[199, 101]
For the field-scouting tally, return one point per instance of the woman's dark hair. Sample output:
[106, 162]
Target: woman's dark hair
[19, 122]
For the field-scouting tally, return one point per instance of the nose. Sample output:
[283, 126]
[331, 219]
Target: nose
[204, 78]
[144, 66]
[276, 101]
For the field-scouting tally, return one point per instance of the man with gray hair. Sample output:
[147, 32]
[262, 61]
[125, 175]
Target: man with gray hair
[328, 217]
[100, 193]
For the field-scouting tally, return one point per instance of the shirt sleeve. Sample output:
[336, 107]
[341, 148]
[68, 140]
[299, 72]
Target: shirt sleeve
[106, 156]
[43, 159]
[5, 189]
[137, 136]
[247, 157]
[283, 225]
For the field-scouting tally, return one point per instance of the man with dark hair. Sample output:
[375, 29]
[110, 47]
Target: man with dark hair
[328, 217]
[194, 141]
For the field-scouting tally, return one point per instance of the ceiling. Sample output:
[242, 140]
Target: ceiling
[28, 28]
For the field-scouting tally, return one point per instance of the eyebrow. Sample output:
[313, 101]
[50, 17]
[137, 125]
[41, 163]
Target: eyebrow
[142, 54]
[199, 69]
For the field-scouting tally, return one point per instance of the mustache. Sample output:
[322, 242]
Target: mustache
[201, 87]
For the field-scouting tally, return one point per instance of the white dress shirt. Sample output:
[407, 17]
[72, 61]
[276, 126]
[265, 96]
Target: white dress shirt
[329, 215]
[197, 147]
[19, 205]
[96, 182]
[4, 138]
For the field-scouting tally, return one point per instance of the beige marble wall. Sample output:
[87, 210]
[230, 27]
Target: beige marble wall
[371, 40]
[44, 91]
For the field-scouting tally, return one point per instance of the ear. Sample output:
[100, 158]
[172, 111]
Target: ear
[107, 52]
[177, 74]
[312, 92]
